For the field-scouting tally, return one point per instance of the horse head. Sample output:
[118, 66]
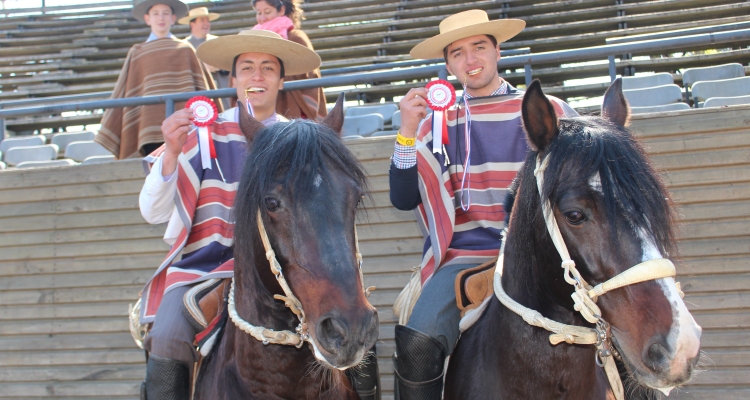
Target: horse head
[613, 212]
[306, 187]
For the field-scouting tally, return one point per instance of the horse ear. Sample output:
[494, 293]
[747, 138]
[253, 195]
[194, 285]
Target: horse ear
[248, 124]
[335, 118]
[539, 117]
[615, 107]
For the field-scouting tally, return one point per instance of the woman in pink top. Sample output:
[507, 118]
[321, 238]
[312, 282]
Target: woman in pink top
[284, 17]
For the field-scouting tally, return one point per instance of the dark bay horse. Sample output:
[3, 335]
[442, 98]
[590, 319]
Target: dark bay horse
[306, 186]
[613, 212]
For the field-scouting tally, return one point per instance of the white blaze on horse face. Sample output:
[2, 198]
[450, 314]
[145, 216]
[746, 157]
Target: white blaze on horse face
[684, 337]
[596, 182]
[318, 180]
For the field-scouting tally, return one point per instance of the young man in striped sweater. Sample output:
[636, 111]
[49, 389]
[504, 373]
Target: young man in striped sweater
[457, 188]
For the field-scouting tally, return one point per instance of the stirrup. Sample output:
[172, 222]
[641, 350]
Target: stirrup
[367, 381]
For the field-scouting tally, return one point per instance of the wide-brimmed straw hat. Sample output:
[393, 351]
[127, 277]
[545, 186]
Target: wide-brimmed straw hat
[140, 8]
[196, 13]
[220, 52]
[466, 24]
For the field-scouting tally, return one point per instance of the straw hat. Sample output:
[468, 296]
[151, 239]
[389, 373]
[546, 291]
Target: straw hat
[141, 8]
[220, 52]
[466, 24]
[198, 12]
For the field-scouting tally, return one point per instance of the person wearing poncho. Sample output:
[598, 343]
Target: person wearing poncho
[161, 65]
[457, 190]
[197, 201]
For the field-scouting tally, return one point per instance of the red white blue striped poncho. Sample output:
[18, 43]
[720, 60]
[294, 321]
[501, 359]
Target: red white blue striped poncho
[498, 149]
[204, 203]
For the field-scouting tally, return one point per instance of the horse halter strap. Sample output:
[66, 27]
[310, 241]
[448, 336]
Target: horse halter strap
[584, 295]
[285, 337]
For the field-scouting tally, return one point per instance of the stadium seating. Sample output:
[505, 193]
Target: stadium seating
[662, 108]
[385, 110]
[98, 159]
[17, 155]
[396, 120]
[646, 81]
[10, 143]
[384, 133]
[703, 90]
[726, 101]
[2, 165]
[653, 96]
[362, 125]
[691, 76]
[63, 139]
[79, 151]
[42, 164]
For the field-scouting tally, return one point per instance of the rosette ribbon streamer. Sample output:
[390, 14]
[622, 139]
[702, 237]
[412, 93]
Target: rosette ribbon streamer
[440, 97]
[204, 114]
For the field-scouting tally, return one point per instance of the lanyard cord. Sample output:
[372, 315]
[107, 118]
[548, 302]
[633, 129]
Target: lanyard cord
[467, 162]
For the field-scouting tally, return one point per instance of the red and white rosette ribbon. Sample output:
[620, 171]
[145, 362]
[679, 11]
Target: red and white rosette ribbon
[204, 114]
[440, 97]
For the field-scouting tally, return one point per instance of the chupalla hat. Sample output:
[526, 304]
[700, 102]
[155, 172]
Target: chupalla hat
[220, 52]
[196, 13]
[466, 24]
[140, 8]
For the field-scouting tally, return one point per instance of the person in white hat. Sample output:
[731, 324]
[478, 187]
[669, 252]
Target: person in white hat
[458, 186]
[199, 19]
[135, 131]
[258, 61]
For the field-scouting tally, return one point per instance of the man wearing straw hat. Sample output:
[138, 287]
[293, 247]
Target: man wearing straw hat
[199, 20]
[457, 187]
[163, 64]
[173, 191]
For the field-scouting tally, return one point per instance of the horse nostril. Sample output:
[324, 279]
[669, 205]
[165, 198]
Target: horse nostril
[332, 333]
[657, 357]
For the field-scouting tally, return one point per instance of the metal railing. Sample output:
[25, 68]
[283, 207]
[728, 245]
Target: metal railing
[658, 46]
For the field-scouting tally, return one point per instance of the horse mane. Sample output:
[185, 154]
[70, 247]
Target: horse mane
[295, 155]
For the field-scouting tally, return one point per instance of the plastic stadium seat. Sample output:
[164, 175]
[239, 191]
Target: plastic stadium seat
[646, 81]
[386, 110]
[10, 143]
[2, 165]
[726, 101]
[40, 164]
[654, 96]
[384, 133]
[99, 159]
[704, 90]
[396, 120]
[80, 151]
[727, 71]
[63, 139]
[666, 107]
[362, 125]
[17, 155]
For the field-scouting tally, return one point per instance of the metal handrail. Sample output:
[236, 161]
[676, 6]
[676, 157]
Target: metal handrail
[524, 60]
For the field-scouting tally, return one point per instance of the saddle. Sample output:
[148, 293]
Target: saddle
[205, 306]
[474, 285]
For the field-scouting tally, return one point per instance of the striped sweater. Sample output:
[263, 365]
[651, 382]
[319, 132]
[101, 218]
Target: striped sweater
[498, 149]
[203, 203]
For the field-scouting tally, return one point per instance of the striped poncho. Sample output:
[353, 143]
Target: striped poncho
[498, 149]
[204, 203]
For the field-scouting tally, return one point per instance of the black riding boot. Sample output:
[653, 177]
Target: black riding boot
[418, 365]
[166, 380]
[367, 380]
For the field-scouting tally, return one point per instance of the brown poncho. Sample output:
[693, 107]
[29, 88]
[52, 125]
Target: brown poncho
[310, 103]
[159, 67]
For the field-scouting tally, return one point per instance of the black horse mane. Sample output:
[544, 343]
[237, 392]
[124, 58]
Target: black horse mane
[294, 154]
[630, 185]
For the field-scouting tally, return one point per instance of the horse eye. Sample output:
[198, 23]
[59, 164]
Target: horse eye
[272, 204]
[574, 217]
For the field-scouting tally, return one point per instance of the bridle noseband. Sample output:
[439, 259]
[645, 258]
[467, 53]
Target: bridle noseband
[584, 295]
[301, 334]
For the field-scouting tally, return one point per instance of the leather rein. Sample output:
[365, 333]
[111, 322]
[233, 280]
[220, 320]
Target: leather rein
[285, 337]
[584, 296]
